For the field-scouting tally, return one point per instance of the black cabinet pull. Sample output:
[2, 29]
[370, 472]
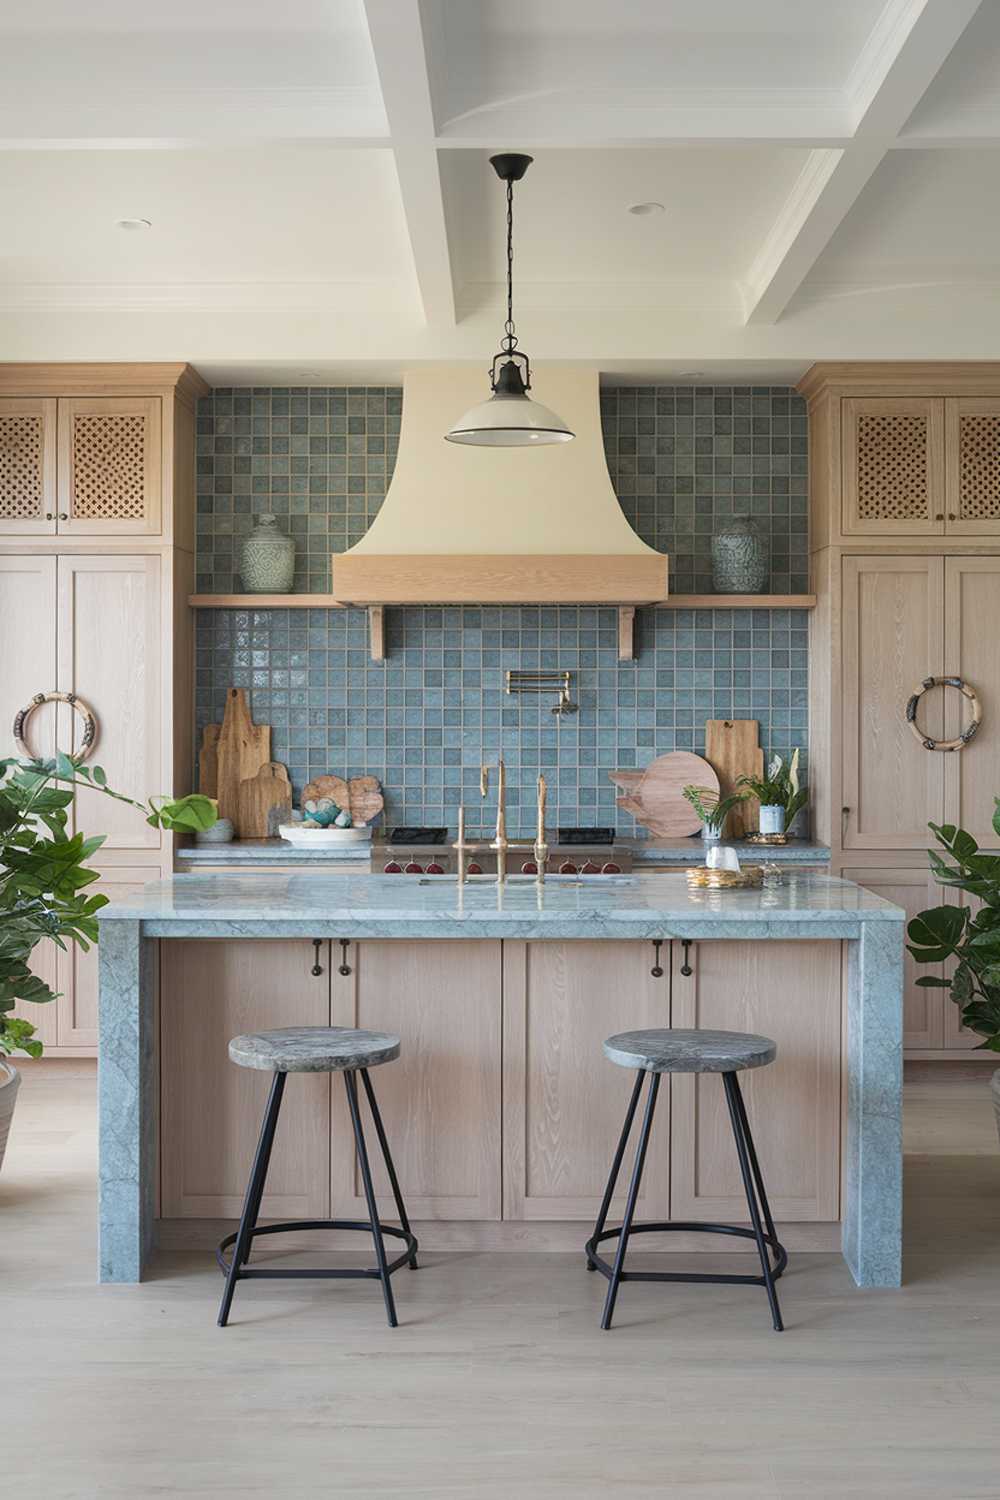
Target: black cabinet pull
[686, 968]
[317, 967]
[345, 967]
[657, 970]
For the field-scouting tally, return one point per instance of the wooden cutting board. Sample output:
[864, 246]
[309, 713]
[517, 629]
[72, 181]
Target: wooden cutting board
[731, 746]
[362, 795]
[208, 760]
[243, 747]
[655, 798]
[259, 795]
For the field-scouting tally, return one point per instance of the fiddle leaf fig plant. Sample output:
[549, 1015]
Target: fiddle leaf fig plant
[971, 938]
[44, 874]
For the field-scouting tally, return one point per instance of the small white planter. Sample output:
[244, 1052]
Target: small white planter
[772, 819]
[10, 1082]
[995, 1089]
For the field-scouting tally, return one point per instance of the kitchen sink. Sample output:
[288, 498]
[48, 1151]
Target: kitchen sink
[529, 880]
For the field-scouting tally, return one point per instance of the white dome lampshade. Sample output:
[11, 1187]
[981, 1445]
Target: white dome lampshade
[509, 418]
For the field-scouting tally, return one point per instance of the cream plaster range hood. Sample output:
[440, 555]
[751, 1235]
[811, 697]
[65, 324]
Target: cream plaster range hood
[468, 525]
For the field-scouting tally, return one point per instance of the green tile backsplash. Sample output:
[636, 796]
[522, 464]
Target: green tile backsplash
[425, 719]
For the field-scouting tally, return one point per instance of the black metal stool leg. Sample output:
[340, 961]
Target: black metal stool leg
[404, 1222]
[758, 1175]
[743, 1151]
[616, 1165]
[633, 1194]
[359, 1140]
[254, 1194]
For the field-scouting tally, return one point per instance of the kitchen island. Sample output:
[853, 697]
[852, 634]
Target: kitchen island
[503, 1107]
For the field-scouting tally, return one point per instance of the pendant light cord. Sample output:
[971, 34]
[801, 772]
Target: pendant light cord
[510, 338]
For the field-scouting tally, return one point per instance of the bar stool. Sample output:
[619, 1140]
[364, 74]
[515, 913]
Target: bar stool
[316, 1049]
[652, 1053]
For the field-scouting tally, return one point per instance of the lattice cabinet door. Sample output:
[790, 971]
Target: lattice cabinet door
[972, 466]
[893, 466]
[109, 466]
[27, 466]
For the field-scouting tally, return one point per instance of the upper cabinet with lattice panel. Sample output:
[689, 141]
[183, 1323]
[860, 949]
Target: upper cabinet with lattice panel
[972, 460]
[110, 466]
[893, 456]
[27, 466]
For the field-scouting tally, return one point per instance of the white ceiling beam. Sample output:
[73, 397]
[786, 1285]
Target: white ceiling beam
[401, 58]
[903, 55]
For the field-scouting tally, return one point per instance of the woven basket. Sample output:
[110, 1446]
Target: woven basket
[10, 1082]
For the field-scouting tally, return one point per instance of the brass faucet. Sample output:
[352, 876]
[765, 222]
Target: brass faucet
[500, 842]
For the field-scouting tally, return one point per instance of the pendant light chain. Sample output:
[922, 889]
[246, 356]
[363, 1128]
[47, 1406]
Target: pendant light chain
[510, 338]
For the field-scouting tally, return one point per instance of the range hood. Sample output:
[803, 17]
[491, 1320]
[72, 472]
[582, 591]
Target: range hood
[467, 525]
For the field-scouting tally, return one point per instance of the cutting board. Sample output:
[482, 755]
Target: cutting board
[362, 795]
[731, 745]
[259, 796]
[655, 797]
[243, 747]
[208, 760]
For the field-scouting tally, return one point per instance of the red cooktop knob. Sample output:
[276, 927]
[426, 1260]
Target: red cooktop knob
[568, 868]
[392, 868]
[434, 868]
[590, 868]
[529, 867]
[611, 869]
[473, 869]
[413, 869]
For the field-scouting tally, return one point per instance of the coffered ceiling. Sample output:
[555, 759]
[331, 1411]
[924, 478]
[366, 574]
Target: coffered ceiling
[321, 205]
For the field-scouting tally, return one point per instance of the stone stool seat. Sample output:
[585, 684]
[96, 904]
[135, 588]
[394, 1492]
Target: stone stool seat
[665, 1050]
[317, 1049]
[313, 1049]
[677, 1051]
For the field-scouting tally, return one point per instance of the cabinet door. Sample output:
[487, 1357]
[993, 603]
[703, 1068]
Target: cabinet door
[27, 466]
[956, 1037]
[892, 640]
[972, 651]
[791, 992]
[28, 665]
[109, 653]
[914, 890]
[564, 1103]
[76, 970]
[110, 458]
[440, 1101]
[44, 1017]
[893, 466]
[211, 1110]
[972, 466]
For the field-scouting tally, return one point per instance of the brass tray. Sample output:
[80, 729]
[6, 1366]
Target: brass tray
[767, 838]
[699, 877]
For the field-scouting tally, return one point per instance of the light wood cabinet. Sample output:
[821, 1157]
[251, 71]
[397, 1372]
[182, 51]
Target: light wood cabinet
[914, 890]
[212, 1110]
[28, 590]
[972, 466]
[27, 466]
[893, 466]
[76, 970]
[440, 1101]
[892, 639]
[972, 651]
[564, 1103]
[109, 468]
[790, 991]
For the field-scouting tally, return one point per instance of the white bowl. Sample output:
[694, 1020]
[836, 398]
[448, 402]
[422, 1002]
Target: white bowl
[311, 836]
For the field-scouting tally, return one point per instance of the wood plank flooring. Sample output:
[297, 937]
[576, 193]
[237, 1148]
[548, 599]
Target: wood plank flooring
[498, 1383]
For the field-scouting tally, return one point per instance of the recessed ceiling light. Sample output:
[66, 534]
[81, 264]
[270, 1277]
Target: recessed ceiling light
[133, 223]
[645, 208]
[690, 374]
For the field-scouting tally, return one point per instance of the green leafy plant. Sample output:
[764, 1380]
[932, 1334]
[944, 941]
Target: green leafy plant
[956, 932]
[712, 809]
[779, 787]
[44, 874]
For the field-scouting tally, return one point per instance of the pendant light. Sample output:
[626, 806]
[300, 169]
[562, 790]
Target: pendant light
[509, 418]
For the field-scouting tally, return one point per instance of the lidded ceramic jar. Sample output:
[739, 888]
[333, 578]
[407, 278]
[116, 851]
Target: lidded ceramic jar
[741, 561]
[267, 561]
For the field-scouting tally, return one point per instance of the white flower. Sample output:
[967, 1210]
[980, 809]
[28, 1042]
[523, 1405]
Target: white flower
[774, 768]
[793, 771]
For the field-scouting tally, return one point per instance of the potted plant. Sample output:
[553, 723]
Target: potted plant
[712, 809]
[778, 792]
[43, 878]
[972, 938]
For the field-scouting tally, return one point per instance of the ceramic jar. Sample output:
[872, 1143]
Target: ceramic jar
[741, 562]
[772, 819]
[267, 562]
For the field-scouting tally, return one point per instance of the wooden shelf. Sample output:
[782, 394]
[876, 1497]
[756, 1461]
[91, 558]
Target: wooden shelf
[739, 601]
[264, 601]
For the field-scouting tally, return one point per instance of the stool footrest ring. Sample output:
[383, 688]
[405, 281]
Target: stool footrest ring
[598, 1263]
[245, 1273]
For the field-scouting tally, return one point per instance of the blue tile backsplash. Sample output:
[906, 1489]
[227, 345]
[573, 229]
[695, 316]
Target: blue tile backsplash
[425, 719]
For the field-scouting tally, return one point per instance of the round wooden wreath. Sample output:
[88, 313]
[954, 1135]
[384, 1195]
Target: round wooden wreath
[966, 691]
[77, 704]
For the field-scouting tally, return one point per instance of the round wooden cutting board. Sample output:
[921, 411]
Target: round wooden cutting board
[655, 797]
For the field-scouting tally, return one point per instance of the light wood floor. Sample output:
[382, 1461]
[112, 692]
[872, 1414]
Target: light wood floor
[498, 1382]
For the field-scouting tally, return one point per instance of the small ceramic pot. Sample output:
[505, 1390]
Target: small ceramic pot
[221, 832]
[772, 820]
[267, 562]
[10, 1082]
[711, 833]
[741, 562]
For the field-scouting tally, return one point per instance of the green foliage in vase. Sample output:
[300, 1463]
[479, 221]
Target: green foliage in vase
[44, 874]
[712, 809]
[971, 938]
[778, 787]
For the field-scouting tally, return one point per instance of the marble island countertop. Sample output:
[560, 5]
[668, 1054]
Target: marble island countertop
[360, 905]
[679, 852]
